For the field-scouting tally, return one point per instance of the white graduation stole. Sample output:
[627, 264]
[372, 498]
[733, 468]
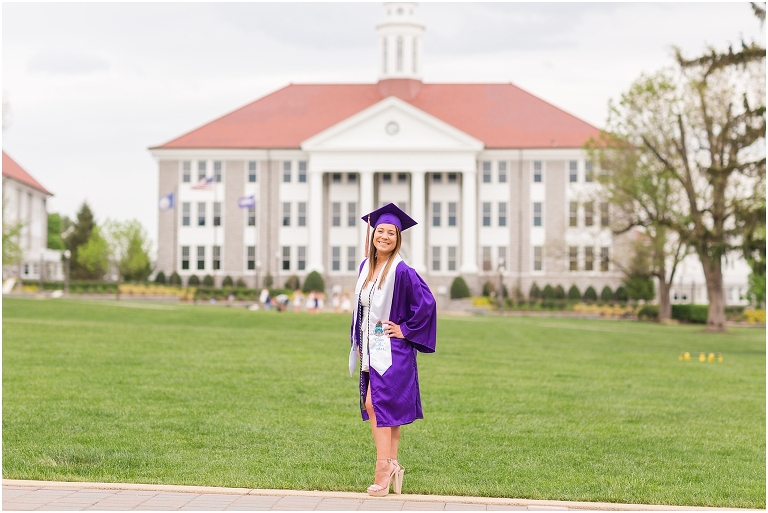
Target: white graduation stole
[379, 347]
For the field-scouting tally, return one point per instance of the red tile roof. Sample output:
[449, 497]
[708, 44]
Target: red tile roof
[500, 115]
[12, 170]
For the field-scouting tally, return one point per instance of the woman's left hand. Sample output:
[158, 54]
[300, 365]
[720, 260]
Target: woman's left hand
[392, 330]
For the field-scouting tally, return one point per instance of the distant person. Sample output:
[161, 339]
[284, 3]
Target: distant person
[264, 296]
[336, 302]
[319, 302]
[346, 304]
[298, 300]
[311, 302]
[394, 317]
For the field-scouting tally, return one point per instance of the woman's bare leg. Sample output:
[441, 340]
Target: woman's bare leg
[394, 442]
[382, 437]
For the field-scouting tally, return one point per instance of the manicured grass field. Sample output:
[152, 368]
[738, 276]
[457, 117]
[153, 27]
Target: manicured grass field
[535, 408]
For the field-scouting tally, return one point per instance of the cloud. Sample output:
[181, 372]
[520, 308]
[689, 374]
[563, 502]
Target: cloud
[64, 63]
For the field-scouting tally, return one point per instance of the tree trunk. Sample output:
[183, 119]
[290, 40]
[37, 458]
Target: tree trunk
[713, 272]
[665, 306]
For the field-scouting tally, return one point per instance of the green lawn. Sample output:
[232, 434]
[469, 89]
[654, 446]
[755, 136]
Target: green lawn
[536, 408]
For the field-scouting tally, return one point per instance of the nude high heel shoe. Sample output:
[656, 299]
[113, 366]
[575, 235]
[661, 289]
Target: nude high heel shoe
[397, 485]
[376, 490]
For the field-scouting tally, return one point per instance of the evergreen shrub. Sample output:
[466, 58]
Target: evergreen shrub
[240, 283]
[293, 283]
[160, 278]
[534, 293]
[606, 295]
[649, 312]
[548, 293]
[690, 313]
[559, 292]
[621, 294]
[208, 281]
[459, 288]
[590, 295]
[574, 293]
[314, 283]
[488, 289]
[268, 281]
[193, 281]
[227, 282]
[175, 279]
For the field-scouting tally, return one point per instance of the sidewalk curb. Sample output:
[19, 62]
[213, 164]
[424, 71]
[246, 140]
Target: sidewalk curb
[606, 506]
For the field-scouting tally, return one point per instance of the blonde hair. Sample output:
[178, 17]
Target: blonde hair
[373, 258]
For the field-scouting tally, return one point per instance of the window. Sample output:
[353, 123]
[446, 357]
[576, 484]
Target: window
[453, 177]
[352, 178]
[301, 215]
[336, 213]
[589, 174]
[186, 209]
[435, 258]
[573, 258]
[399, 54]
[251, 258]
[452, 213]
[286, 171]
[436, 213]
[589, 213]
[402, 178]
[502, 251]
[537, 213]
[301, 262]
[252, 171]
[402, 205]
[336, 258]
[185, 257]
[217, 171]
[605, 220]
[26, 269]
[487, 264]
[573, 167]
[352, 214]
[603, 259]
[589, 258]
[487, 213]
[351, 258]
[336, 177]
[286, 258]
[437, 177]
[537, 258]
[451, 258]
[573, 211]
[502, 171]
[302, 171]
[286, 214]
[386, 178]
[201, 164]
[201, 258]
[537, 171]
[503, 214]
[252, 216]
[217, 213]
[216, 258]
[186, 171]
[201, 213]
[486, 172]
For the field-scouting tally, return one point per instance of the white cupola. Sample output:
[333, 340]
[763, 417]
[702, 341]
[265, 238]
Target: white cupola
[400, 36]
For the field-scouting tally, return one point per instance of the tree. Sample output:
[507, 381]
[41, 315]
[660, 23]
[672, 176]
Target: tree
[93, 256]
[574, 294]
[459, 288]
[81, 232]
[703, 123]
[11, 233]
[54, 232]
[129, 247]
[314, 283]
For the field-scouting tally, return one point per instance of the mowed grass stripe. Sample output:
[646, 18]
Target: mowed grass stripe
[516, 407]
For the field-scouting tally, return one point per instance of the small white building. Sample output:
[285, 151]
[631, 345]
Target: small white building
[24, 202]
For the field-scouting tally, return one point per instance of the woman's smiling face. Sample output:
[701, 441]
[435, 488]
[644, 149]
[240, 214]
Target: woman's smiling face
[385, 238]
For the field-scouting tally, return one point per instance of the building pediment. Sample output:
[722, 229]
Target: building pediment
[392, 125]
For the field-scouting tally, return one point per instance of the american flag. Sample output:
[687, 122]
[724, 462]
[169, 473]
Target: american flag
[205, 184]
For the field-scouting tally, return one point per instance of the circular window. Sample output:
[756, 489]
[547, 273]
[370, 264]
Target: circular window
[392, 128]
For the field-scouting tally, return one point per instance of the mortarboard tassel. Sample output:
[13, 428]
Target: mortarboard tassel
[367, 236]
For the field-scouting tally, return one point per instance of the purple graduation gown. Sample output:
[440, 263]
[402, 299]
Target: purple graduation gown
[395, 395]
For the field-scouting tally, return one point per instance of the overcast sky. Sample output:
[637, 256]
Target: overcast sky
[92, 85]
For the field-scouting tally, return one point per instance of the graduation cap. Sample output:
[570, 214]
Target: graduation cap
[388, 214]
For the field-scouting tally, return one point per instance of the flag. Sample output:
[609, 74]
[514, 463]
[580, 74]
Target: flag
[205, 184]
[166, 202]
[246, 202]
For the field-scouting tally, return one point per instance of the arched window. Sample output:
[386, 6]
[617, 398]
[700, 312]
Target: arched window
[384, 56]
[415, 53]
[399, 53]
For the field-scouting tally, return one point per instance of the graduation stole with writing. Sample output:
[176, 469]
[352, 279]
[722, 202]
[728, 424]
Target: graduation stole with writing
[379, 347]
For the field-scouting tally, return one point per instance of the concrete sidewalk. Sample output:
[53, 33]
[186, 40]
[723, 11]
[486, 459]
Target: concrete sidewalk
[61, 496]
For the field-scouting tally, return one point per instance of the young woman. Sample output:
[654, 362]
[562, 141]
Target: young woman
[394, 316]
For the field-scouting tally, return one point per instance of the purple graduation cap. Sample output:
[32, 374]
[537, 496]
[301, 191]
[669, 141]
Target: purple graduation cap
[388, 214]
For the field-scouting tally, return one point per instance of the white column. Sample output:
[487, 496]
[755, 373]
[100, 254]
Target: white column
[469, 222]
[418, 232]
[366, 204]
[315, 221]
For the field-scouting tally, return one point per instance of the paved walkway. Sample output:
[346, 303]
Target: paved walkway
[65, 496]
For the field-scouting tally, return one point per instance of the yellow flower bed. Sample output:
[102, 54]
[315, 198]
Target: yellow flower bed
[752, 315]
[480, 301]
[604, 310]
[134, 289]
[31, 288]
